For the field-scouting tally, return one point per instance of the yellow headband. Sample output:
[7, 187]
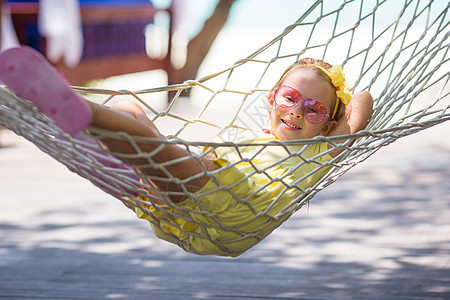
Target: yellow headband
[337, 77]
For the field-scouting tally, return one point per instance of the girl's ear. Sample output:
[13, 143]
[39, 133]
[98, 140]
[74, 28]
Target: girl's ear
[328, 127]
[270, 101]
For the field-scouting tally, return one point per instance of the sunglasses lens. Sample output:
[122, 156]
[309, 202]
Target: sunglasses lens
[314, 111]
[286, 96]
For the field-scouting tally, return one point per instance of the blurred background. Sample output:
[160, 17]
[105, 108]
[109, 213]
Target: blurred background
[96, 39]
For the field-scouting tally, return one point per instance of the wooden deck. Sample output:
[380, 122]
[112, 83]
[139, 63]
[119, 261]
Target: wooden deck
[381, 232]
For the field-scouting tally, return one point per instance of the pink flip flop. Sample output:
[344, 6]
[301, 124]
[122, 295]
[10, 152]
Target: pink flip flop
[27, 73]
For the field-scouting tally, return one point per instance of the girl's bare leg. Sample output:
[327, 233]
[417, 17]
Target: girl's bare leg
[130, 118]
[29, 75]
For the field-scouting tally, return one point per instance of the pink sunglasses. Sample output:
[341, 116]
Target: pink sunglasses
[314, 111]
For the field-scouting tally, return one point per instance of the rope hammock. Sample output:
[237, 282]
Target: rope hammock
[397, 51]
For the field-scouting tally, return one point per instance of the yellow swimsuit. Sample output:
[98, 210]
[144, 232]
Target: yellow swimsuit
[243, 202]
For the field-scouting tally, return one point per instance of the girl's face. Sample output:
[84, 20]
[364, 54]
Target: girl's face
[289, 123]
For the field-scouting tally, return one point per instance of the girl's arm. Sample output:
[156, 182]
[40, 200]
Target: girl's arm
[357, 113]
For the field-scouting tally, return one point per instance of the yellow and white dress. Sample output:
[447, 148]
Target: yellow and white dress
[244, 201]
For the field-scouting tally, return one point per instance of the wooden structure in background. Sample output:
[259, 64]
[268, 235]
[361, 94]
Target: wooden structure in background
[114, 39]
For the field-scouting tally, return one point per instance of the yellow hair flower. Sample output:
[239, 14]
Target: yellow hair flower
[338, 79]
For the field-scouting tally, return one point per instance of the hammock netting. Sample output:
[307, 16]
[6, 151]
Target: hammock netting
[397, 50]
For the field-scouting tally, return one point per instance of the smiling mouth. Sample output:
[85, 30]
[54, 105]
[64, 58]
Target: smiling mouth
[290, 125]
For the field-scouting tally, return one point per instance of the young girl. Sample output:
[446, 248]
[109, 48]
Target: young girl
[227, 199]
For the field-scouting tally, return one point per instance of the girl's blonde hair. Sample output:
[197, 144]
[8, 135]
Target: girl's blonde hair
[309, 64]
